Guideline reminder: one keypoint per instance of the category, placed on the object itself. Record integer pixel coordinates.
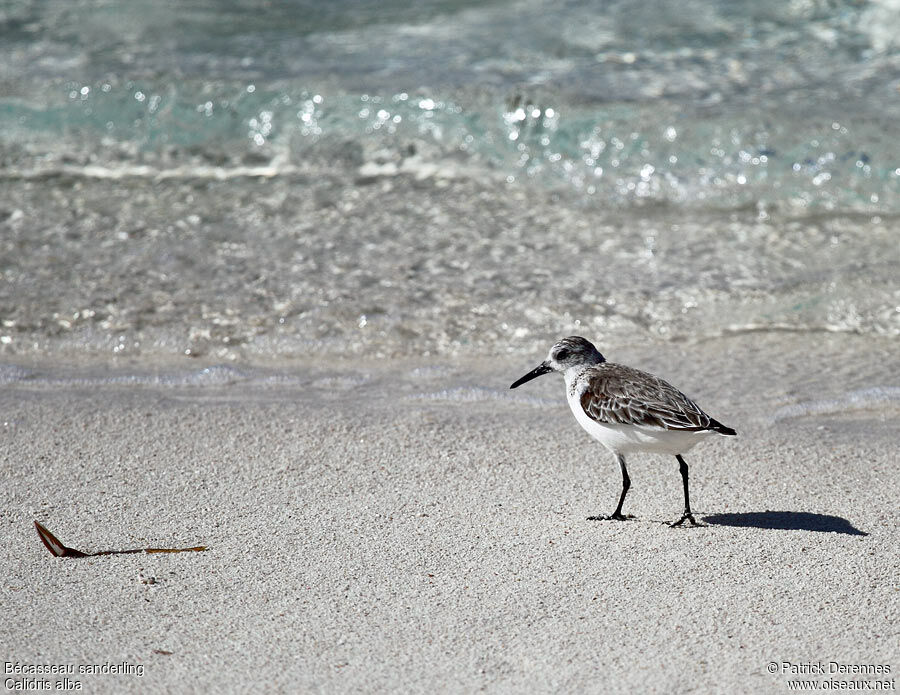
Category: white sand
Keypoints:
(374, 540)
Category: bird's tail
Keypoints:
(717, 426)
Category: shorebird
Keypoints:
(627, 411)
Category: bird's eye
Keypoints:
(562, 354)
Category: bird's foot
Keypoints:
(616, 516)
(686, 517)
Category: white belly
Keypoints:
(624, 439)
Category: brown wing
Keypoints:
(621, 395)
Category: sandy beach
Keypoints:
(418, 528)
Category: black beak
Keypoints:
(542, 368)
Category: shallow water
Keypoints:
(236, 183)
(755, 380)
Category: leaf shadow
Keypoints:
(787, 521)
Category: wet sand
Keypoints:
(415, 528)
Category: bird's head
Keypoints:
(568, 353)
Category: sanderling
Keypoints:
(627, 410)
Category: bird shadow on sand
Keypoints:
(786, 521)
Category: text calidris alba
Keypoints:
(627, 410)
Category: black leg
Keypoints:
(626, 483)
(687, 516)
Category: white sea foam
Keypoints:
(215, 375)
(14, 374)
(126, 171)
(469, 394)
(879, 397)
